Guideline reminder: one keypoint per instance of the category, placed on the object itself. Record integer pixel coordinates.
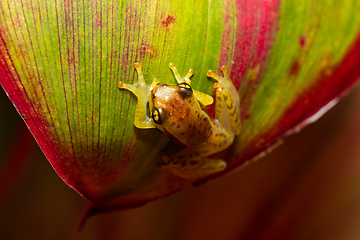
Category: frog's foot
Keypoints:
(142, 92)
(180, 79)
(140, 89)
(224, 81)
(227, 102)
(190, 168)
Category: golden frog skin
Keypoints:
(179, 111)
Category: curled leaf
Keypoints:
(61, 61)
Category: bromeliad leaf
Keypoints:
(61, 62)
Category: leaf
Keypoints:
(61, 61)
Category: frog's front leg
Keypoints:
(201, 97)
(142, 92)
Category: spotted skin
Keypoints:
(179, 111)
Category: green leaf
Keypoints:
(61, 61)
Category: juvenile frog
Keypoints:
(179, 111)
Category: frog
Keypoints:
(180, 112)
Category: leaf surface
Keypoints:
(61, 61)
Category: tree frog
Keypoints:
(179, 111)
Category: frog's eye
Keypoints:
(185, 90)
(185, 86)
(157, 116)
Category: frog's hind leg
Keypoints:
(192, 163)
(227, 108)
(142, 92)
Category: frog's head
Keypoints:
(174, 109)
